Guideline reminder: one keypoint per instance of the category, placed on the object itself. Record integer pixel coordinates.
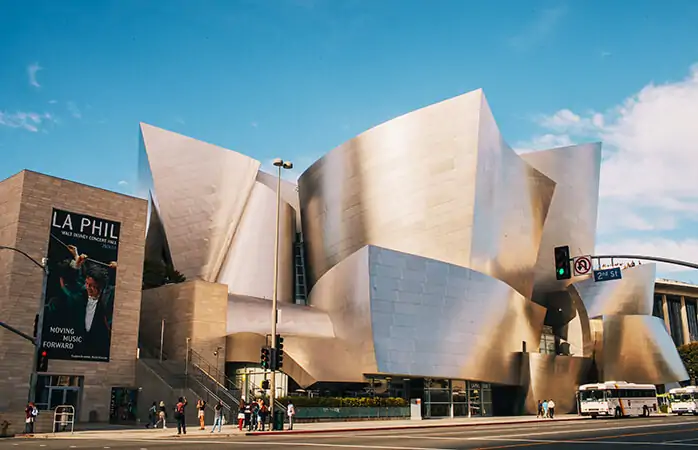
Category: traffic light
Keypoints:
(42, 363)
(265, 385)
(266, 358)
(562, 263)
(279, 362)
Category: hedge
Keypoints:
(347, 402)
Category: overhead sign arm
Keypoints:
(650, 258)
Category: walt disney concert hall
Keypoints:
(419, 254)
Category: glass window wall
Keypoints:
(443, 398)
(674, 304)
(692, 313)
(658, 306)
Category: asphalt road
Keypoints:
(636, 433)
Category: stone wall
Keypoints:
(26, 202)
(194, 309)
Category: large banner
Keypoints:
(82, 255)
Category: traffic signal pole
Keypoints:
(39, 328)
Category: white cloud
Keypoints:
(123, 183)
(544, 142)
(74, 110)
(650, 163)
(539, 29)
(32, 69)
(30, 121)
(53, 102)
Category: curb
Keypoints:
(406, 427)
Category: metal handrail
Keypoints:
(219, 387)
(215, 398)
(215, 373)
(66, 411)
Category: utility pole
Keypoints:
(281, 164)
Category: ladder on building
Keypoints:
(300, 284)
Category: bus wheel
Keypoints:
(618, 412)
(645, 412)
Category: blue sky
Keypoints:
(295, 78)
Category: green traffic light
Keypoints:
(561, 271)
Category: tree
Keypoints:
(157, 273)
(689, 356)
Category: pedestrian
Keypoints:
(241, 415)
(262, 412)
(540, 409)
(217, 416)
(201, 408)
(162, 416)
(30, 412)
(248, 416)
(152, 415)
(291, 411)
(545, 409)
(551, 408)
(180, 415)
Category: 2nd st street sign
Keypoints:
(613, 273)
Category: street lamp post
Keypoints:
(40, 321)
(281, 164)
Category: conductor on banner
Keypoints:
(90, 296)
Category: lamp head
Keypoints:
(278, 162)
(288, 165)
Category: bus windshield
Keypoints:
(591, 395)
(681, 397)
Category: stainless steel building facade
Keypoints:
(424, 247)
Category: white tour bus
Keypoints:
(617, 398)
(683, 400)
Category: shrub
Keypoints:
(346, 402)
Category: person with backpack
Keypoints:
(180, 415)
(31, 412)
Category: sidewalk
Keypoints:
(231, 431)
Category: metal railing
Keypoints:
(64, 415)
(196, 359)
(212, 399)
(207, 380)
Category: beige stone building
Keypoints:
(27, 200)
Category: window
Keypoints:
(658, 306)
(56, 390)
(675, 326)
(547, 344)
(692, 313)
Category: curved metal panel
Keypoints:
(435, 319)
(414, 184)
(631, 295)
(201, 192)
(638, 349)
(253, 315)
(289, 191)
(511, 205)
(554, 377)
(244, 347)
(573, 212)
(249, 265)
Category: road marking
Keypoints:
(682, 440)
(302, 444)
